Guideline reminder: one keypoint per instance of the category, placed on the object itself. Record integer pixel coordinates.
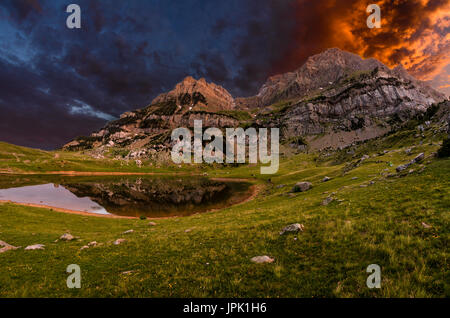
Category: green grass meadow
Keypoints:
(375, 218)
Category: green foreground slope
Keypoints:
(399, 221)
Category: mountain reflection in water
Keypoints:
(128, 196)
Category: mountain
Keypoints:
(198, 95)
(318, 72)
(150, 127)
(334, 99)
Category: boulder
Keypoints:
(6, 247)
(327, 201)
(67, 237)
(262, 259)
(418, 158)
(119, 241)
(302, 186)
(326, 179)
(403, 167)
(35, 247)
(292, 228)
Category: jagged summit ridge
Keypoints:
(323, 70)
(334, 92)
(198, 95)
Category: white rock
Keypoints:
(128, 232)
(119, 241)
(427, 226)
(262, 259)
(35, 247)
(293, 228)
(6, 247)
(67, 237)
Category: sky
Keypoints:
(58, 83)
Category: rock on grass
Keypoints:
(6, 247)
(327, 201)
(35, 247)
(262, 259)
(302, 186)
(292, 228)
(119, 241)
(67, 237)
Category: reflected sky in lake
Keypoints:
(51, 195)
(125, 196)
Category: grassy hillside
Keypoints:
(376, 217)
(16, 159)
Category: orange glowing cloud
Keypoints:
(413, 33)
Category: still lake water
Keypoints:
(125, 196)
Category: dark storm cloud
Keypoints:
(413, 33)
(57, 83)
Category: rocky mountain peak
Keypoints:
(198, 95)
(322, 71)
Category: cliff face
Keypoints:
(335, 95)
(151, 126)
(361, 106)
(198, 95)
(319, 72)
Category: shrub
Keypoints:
(444, 151)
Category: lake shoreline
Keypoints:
(253, 189)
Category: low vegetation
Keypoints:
(376, 216)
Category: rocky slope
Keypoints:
(150, 127)
(198, 95)
(335, 99)
(361, 106)
(321, 71)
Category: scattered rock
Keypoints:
(427, 226)
(67, 237)
(280, 186)
(327, 201)
(262, 259)
(188, 230)
(84, 247)
(403, 167)
(302, 186)
(354, 178)
(93, 243)
(119, 241)
(128, 232)
(292, 228)
(326, 179)
(128, 272)
(35, 247)
(152, 223)
(418, 158)
(365, 157)
(6, 247)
